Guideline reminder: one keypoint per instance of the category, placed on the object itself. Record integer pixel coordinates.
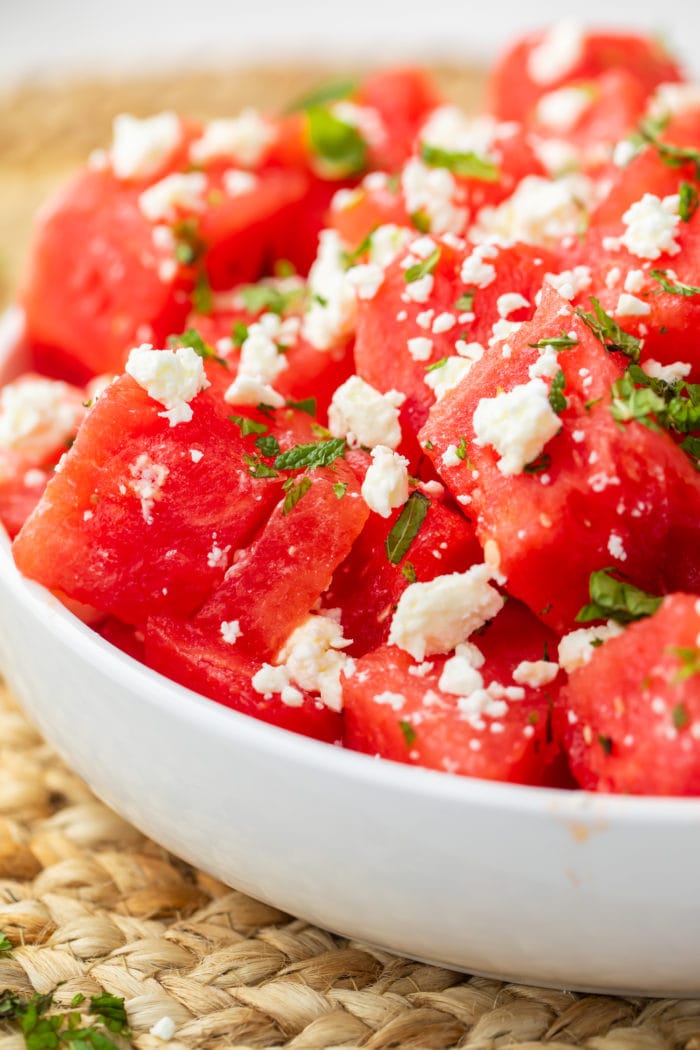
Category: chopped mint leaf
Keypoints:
(350, 258)
(466, 300)
(421, 221)
(336, 142)
(422, 269)
(690, 663)
(329, 92)
(673, 286)
(561, 342)
(189, 245)
(680, 716)
(436, 364)
(461, 449)
(308, 405)
(5, 943)
(110, 1009)
(688, 201)
(606, 743)
(608, 332)
(295, 492)
(409, 571)
(259, 298)
(613, 599)
(670, 155)
(268, 444)
(315, 454)
(258, 469)
(409, 733)
(239, 333)
(556, 392)
(339, 489)
(539, 465)
(468, 165)
(191, 337)
(248, 426)
(406, 527)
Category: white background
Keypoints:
(47, 38)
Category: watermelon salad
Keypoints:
(380, 422)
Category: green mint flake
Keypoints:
(680, 716)
(248, 426)
(258, 469)
(239, 333)
(630, 402)
(191, 337)
(406, 527)
(670, 155)
(468, 165)
(202, 295)
(608, 332)
(689, 660)
(339, 489)
(421, 221)
(561, 342)
(5, 943)
(673, 286)
(539, 465)
(77, 999)
(423, 268)
(466, 300)
(308, 405)
(657, 403)
(691, 446)
(409, 733)
(688, 201)
(268, 445)
(295, 491)
(315, 454)
(556, 392)
(606, 743)
(461, 449)
(110, 1009)
(408, 570)
(332, 91)
(336, 142)
(189, 245)
(428, 445)
(436, 364)
(268, 298)
(350, 258)
(613, 599)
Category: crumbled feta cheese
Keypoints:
(448, 376)
(217, 556)
(175, 193)
(36, 414)
(245, 138)
(396, 701)
(148, 478)
(172, 377)
(366, 119)
(230, 631)
(420, 348)
(434, 192)
(540, 211)
(630, 306)
(671, 99)
(444, 322)
(518, 424)
(546, 366)
(237, 182)
(634, 281)
(424, 319)
(450, 458)
(616, 548)
(450, 128)
(570, 282)
(313, 658)
(248, 390)
(577, 647)
(386, 482)
(650, 226)
(460, 674)
(510, 302)
(363, 416)
(331, 315)
(624, 152)
(472, 351)
(557, 53)
(261, 358)
(668, 373)
(436, 616)
(139, 147)
(419, 291)
(387, 242)
(557, 156)
(475, 270)
(560, 110)
(535, 673)
(366, 279)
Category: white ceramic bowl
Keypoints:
(570, 889)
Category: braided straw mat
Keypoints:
(91, 905)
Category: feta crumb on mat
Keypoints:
(177, 192)
(386, 482)
(244, 138)
(313, 658)
(139, 147)
(163, 1029)
(650, 226)
(172, 377)
(517, 424)
(577, 647)
(436, 616)
(363, 416)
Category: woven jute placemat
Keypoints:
(90, 905)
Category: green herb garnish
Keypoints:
(423, 268)
(268, 444)
(408, 570)
(675, 287)
(191, 337)
(339, 489)
(556, 392)
(308, 405)
(608, 332)
(406, 527)
(409, 733)
(613, 599)
(295, 491)
(248, 426)
(330, 92)
(267, 297)
(688, 201)
(315, 454)
(560, 342)
(468, 165)
(339, 144)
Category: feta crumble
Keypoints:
(363, 416)
(517, 424)
(386, 482)
(171, 377)
(139, 147)
(245, 138)
(175, 193)
(650, 226)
